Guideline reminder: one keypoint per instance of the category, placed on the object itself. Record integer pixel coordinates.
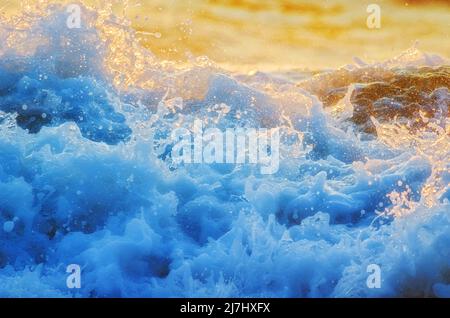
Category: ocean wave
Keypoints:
(86, 176)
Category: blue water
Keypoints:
(86, 178)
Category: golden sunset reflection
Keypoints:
(289, 34)
(284, 34)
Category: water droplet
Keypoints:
(8, 226)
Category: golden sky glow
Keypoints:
(286, 34)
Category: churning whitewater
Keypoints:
(87, 175)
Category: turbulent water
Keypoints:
(86, 175)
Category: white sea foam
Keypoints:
(93, 183)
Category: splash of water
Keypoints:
(102, 191)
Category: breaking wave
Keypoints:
(86, 176)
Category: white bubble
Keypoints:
(8, 226)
